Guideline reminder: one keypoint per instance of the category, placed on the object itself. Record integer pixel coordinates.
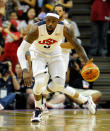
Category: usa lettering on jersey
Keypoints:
(47, 41)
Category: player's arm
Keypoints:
(23, 48)
(26, 43)
(32, 34)
(67, 45)
(69, 35)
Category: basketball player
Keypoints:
(46, 52)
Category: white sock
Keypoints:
(1, 107)
(38, 104)
(44, 100)
(82, 99)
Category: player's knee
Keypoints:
(57, 84)
(96, 96)
(37, 90)
(59, 81)
(40, 81)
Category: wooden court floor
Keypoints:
(55, 120)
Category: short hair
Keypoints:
(59, 5)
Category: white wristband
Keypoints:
(23, 48)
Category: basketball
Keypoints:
(90, 72)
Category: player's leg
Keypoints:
(53, 67)
(79, 98)
(57, 73)
(74, 95)
(95, 94)
(69, 91)
(41, 79)
(56, 70)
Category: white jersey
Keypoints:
(46, 50)
(48, 43)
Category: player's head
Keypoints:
(52, 19)
(60, 10)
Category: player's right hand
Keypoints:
(27, 76)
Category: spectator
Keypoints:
(20, 24)
(68, 4)
(32, 19)
(9, 5)
(32, 3)
(24, 97)
(31, 15)
(24, 5)
(2, 13)
(12, 41)
(8, 85)
(42, 15)
(2, 9)
(75, 26)
(20, 94)
(22, 8)
(99, 17)
(40, 6)
(108, 39)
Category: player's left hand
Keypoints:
(90, 61)
(27, 76)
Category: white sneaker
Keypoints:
(90, 105)
(1, 107)
(36, 115)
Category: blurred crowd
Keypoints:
(100, 20)
(16, 18)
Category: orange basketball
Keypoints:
(90, 72)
